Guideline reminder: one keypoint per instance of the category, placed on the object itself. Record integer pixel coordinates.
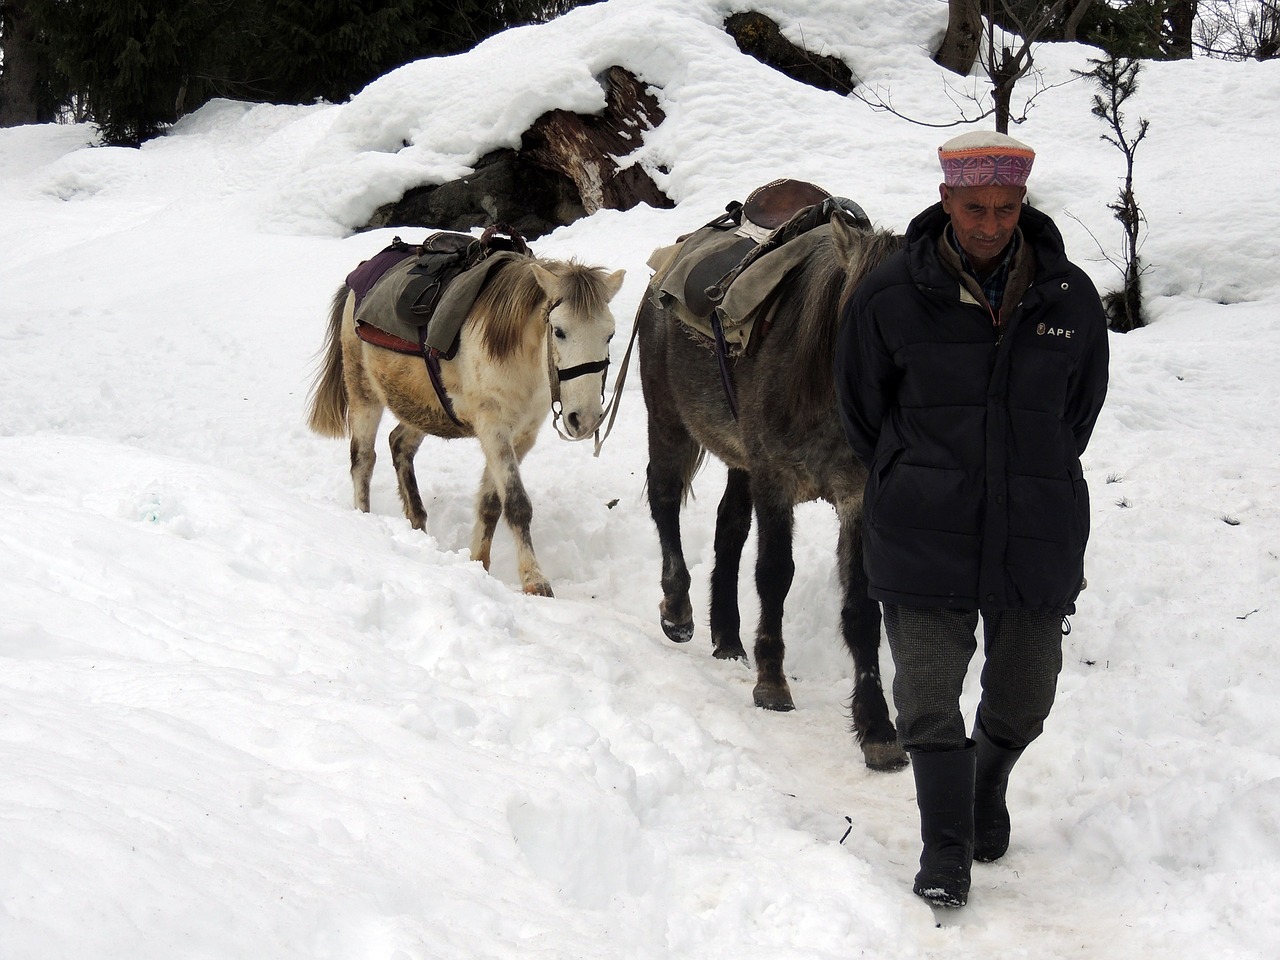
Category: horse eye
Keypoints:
(609, 338)
(559, 333)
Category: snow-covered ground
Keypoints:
(240, 720)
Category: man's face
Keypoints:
(983, 218)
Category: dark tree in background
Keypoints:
(1238, 29)
(25, 96)
(302, 51)
(136, 66)
(1146, 29)
(1001, 37)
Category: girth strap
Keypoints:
(431, 356)
(722, 360)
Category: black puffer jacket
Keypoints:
(971, 434)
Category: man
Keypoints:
(971, 369)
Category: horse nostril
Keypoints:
(573, 421)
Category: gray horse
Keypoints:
(785, 447)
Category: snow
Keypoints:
(240, 719)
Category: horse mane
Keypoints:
(582, 288)
(824, 285)
(512, 298)
(507, 307)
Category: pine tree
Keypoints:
(1117, 81)
(330, 49)
(136, 66)
(134, 63)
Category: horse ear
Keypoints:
(613, 283)
(547, 280)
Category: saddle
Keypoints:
(414, 299)
(721, 278)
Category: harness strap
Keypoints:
(722, 359)
(552, 379)
(582, 369)
(431, 356)
(611, 410)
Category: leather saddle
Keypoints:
(420, 306)
(772, 205)
(740, 229)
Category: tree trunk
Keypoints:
(959, 49)
(19, 102)
(1004, 75)
(1072, 24)
(1179, 19)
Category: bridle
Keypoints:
(555, 377)
(558, 375)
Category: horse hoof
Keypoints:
(771, 697)
(678, 632)
(729, 651)
(542, 589)
(884, 756)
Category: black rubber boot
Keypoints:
(990, 812)
(944, 793)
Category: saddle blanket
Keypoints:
(728, 271)
(746, 310)
(420, 296)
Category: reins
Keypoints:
(611, 408)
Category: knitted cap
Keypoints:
(984, 158)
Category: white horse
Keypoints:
(538, 328)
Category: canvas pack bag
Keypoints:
(720, 279)
(425, 295)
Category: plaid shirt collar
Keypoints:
(993, 286)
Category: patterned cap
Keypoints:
(985, 158)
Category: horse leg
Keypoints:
(860, 626)
(405, 442)
(775, 568)
(673, 458)
(364, 413)
(503, 465)
(733, 523)
(363, 420)
(488, 512)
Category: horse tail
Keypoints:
(329, 392)
(688, 470)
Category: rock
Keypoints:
(565, 169)
(759, 37)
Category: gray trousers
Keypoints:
(931, 650)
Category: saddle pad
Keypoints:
(361, 280)
(747, 300)
(702, 259)
(379, 307)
